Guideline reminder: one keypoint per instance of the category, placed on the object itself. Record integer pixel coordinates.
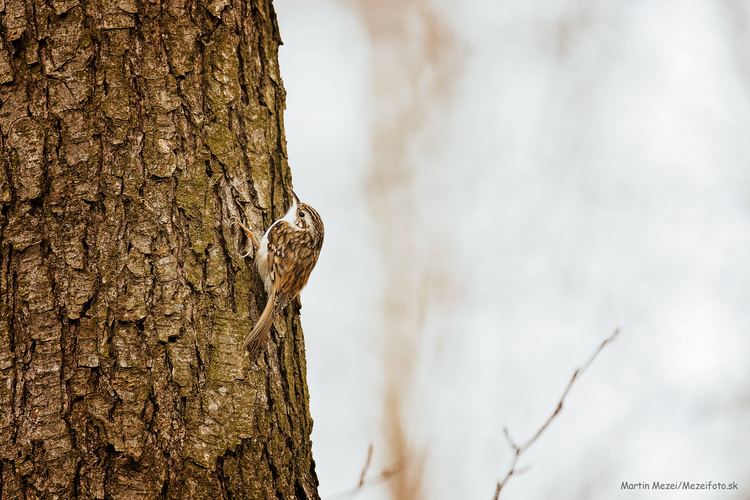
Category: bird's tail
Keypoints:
(264, 323)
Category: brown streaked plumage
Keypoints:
(286, 256)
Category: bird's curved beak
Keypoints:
(296, 199)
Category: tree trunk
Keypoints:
(131, 133)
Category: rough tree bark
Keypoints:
(131, 132)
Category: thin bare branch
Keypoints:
(366, 467)
(512, 444)
(365, 483)
(518, 450)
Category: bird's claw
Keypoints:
(253, 241)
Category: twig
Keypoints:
(367, 466)
(365, 483)
(518, 450)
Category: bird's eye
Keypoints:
(301, 214)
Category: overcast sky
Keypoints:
(586, 171)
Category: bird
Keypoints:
(286, 256)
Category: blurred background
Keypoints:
(503, 185)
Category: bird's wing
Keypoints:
(293, 258)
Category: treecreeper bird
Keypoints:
(285, 258)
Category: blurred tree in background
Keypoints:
(131, 134)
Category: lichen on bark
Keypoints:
(131, 134)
